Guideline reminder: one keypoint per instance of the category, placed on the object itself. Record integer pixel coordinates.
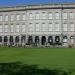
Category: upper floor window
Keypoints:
(57, 15)
(6, 17)
(1, 18)
(65, 27)
(44, 15)
(43, 27)
(17, 17)
(50, 26)
(71, 14)
(57, 27)
(65, 15)
(31, 27)
(5, 28)
(24, 16)
(11, 28)
(12, 17)
(30, 16)
(71, 27)
(50, 15)
(1, 28)
(37, 16)
(17, 27)
(37, 27)
(23, 27)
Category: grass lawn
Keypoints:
(63, 58)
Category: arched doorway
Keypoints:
(43, 41)
(23, 40)
(30, 40)
(36, 40)
(72, 40)
(0, 38)
(50, 40)
(17, 39)
(65, 40)
(5, 40)
(11, 40)
(57, 40)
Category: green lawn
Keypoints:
(63, 58)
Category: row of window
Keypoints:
(37, 27)
(56, 15)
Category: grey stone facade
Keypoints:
(38, 25)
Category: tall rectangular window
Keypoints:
(17, 17)
(12, 18)
(5, 28)
(43, 27)
(37, 27)
(57, 15)
(37, 16)
(17, 27)
(23, 27)
(71, 14)
(31, 27)
(50, 27)
(50, 15)
(1, 28)
(57, 27)
(6, 17)
(1, 18)
(65, 15)
(24, 16)
(30, 16)
(71, 28)
(44, 15)
(12, 28)
(65, 27)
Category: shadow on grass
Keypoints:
(18, 68)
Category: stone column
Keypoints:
(40, 37)
(8, 40)
(20, 40)
(14, 40)
(2, 40)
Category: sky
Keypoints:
(20, 2)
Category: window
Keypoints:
(24, 16)
(43, 27)
(17, 17)
(65, 28)
(65, 15)
(23, 27)
(57, 15)
(50, 26)
(43, 15)
(30, 16)
(57, 27)
(12, 28)
(37, 16)
(37, 27)
(71, 14)
(5, 28)
(6, 17)
(17, 28)
(71, 27)
(1, 18)
(50, 16)
(1, 28)
(31, 27)
(12, 17)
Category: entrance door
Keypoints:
(43, 40)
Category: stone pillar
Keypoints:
(20, 40)
(40, 37)
(14, 40)
(8, 40)
(2, 40)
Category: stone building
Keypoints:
(39, 25)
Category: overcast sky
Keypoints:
(19, 2)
